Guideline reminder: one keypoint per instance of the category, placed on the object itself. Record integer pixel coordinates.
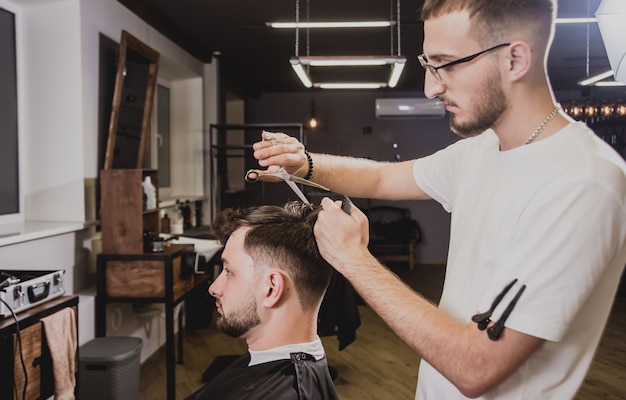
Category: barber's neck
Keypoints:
(528, 110)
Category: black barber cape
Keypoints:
(300, 378)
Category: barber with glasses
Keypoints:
(537, 203)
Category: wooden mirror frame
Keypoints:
(129, 42)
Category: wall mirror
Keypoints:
(9, 165)
(133, 97)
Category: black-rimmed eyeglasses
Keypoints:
(435, 70)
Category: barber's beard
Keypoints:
(240, 319)
(487, 108)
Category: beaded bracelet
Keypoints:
(310, 172)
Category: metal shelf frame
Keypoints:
(218, 153)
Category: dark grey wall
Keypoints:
(344, 116)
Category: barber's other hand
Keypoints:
(276, 150)
(341, 238)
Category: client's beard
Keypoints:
(240, 320)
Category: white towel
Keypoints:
(60, 331)
(207, 247)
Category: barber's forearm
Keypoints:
(462, 353)
(364, 178)
(356, 177)
(414, 319)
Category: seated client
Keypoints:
(269, 293)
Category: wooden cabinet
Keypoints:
(123, 217)
(128, 274)
(31, 348)
(156, 277)
(165, 277)
(34, 350)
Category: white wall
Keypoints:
(58, 77)
(187, 135)
(50, 110)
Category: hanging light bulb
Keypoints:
(591, 110)
(576, 111)
(313, 121)
(606, 110)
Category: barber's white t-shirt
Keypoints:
(551, 215)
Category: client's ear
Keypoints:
(276, 284)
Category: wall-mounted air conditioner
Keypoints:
(409, 108)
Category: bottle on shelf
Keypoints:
(148, 237)
(176, 223)
(165, 222)
(150, 192)
(198, 213)
(186, 211)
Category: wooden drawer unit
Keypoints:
(31, 338)
(146, 278)
(155, 276)
(34, 350)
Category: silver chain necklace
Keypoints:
(543, 125)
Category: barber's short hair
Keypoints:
(495, 20)
(282, 237)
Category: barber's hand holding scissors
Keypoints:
(342, 238)
(342, 230)
(280, 150)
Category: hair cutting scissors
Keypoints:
(292, 181)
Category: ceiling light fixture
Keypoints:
(611, 15)
(302, 74)
(396, 72)
(609, 83)
(397, 66)
(326, 25)
(339, 61)
(575, 20)
(397, 62)
(605, 15)
(596, 78)
(351, 85)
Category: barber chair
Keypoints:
(393, 234)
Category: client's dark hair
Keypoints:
(282, 237)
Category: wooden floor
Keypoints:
(378, 366)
